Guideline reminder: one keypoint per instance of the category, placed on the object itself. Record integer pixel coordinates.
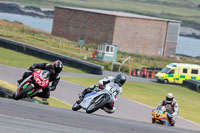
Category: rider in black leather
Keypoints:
(54, 70)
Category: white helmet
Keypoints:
(169, 97)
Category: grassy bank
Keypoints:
(21, 33)
(184, 10)
(16, 59)
(153, 93)
(52, 101)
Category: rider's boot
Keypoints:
(109, 108)
(85, 91)
(81, 97)
(19, 81)
(172, 123)
(25, 75)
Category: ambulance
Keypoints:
(178, 72)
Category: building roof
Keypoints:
(118, 14)
(184, 65)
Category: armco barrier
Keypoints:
(44, 54)
(192, 84)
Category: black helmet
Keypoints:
(57, 65)
(120, 79)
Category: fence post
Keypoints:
(59, 43)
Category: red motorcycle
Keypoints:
(32, 84)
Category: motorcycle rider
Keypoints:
(171, 106)
(120, 79)
(54, 70)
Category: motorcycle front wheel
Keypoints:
(23, 93)
(76, 107)
(97, 103)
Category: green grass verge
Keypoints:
(17, 59)
(21, 33)
(153, 93)
(57, 103)
(52, 101)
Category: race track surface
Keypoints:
(126, 109)
(26, 117)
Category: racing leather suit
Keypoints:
(54, 78)
(109, 107)
(172, 108)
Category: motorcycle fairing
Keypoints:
(21, 86)
(90, 94)
(89, 98)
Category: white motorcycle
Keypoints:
(98, 98)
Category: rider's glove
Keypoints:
(92, 87)
(169, 115)
(81, 96)
(101, 86)
(31, 68)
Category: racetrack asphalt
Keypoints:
(126, 109)
(26, 117)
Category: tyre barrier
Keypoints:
(51, 56)
(192, 84)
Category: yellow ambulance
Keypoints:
(178, 72)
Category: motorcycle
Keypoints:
(32, 84)
(160, 116)
(98, 99)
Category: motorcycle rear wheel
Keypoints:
(95, 105)
(23, 92)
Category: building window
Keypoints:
(107, 48)
(111, 49)
(194, 71)
(184, 70)
(171, 72)
(159, 51)
(81, 41)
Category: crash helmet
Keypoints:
(57, 66)
(120, 79)
(169, 97)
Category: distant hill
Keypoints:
(187, 11)
(25, 10)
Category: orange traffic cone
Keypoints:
(147, 74)
(134, 72)
(142, 73)
(152, 75)
(145, 71)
